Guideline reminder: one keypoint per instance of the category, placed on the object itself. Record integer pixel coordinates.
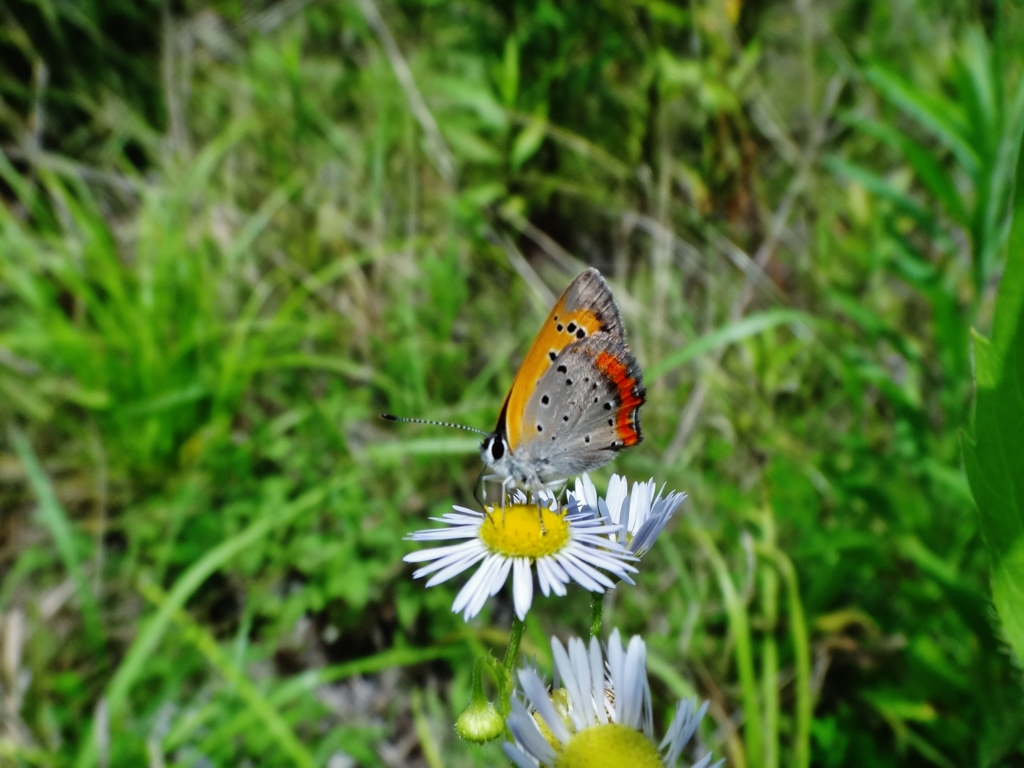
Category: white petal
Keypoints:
(551, 575)
(453, 568)
(639, 505)
(434, 553)
(616, 669)
(518, 757)
(576, 573)
(597, 681)
(479, 587)
(495, 582)
(583, 709)
(535, 690)
(627, 689)
(594, 560)
(444, 534)
(526, 731)
(589, 493)
(522, 586)
(680, 731)
(617, 491)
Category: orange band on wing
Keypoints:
(562, 328)
(630, 396)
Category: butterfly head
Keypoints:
(495, 453)
(502, 462)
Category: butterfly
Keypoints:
(575, 401)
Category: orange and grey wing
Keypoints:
(585, 408)
(585, 308)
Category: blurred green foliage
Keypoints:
(993, 456)
(232, 233)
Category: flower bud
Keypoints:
(480, 722)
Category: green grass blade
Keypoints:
(938, 115)
(155, 628)
(258, 705)
(993, 219)
(995, 455)
(752, 325)
(976, 88)
(905, 203)
(739, 624)
(769, 592)
(307, 682)
(929, 169)
(56, 521)
(804, 707)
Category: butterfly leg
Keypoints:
(480, 491)
(508, 490)
(560, 484)
(546, 491)
(540, 513)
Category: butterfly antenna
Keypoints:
(392, 417)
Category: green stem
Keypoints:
(515, 638)
(506, 682)
(770, 665)
(596, 610)
(802, 656)
(739, 625)
(477, 695)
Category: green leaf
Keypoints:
(995, 192)
(883, 188)
(469, 146)
(510, 73)
(55, 520)
(995, 456)
(528, 141)
(939, 115)
(268, 716)
(929, 170)
(152, 631)
(976, 89)
(729, 334)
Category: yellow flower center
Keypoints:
(609, 746)
(525, 530)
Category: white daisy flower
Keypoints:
(600, 716)
(563, 545)
(641, 514)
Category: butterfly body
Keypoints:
(575, 401)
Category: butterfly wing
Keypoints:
(585, 308)
(585, 408)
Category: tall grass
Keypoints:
(338, 209)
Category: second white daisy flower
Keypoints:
(641, 515)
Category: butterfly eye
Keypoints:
(497, 448)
